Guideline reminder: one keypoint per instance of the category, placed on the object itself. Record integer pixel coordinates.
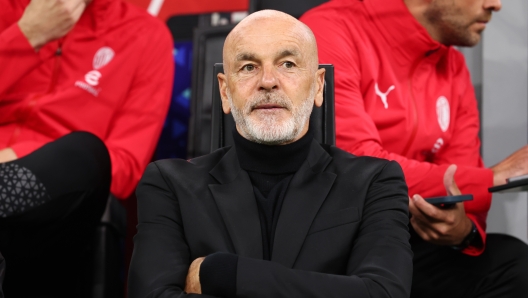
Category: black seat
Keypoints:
(321, 120)
(208, 46)
(295, 8)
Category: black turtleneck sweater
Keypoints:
(270, 169)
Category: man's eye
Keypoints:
(288, 64)
(248, 67)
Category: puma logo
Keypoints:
(382, 95)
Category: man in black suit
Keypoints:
(277, 214)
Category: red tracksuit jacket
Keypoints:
(111, 75)
(401, 95)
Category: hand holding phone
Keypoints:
(444, 225)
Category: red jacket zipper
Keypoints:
(414, 111)
(56, 69)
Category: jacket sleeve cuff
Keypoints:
(476, 181)
(476, 250)
(19, 44)
(218, 274)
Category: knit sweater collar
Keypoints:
(272, 159)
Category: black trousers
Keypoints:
(501, 271)
(47, 248)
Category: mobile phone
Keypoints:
(517, 178)
(515, 184)
(448, 201)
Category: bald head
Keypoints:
(271, 25)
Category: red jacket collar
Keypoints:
(97, 15)
(402, 30)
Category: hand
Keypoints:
(514, 165)
(441, 226)
(47, 20)
(7, 154)
(192, 282)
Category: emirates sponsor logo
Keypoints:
(102, 57)
(87, 88)
(92, 77)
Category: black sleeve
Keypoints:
(218, 274)
(161, 259)
(379, 265)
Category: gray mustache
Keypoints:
(269, 98)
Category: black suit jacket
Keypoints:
(342, 230)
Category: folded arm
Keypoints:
(379, 265)
(161, 255)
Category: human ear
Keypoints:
(222, 84)
(320, 82)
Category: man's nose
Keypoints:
(268, 79)
(494, 5)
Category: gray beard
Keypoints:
(266, 129)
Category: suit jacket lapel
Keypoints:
(306, 193)
(236, 201)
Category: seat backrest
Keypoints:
(295, 8)
(322, 121)
(207, 49)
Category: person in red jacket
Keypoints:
(84, 89)
(402, 92)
